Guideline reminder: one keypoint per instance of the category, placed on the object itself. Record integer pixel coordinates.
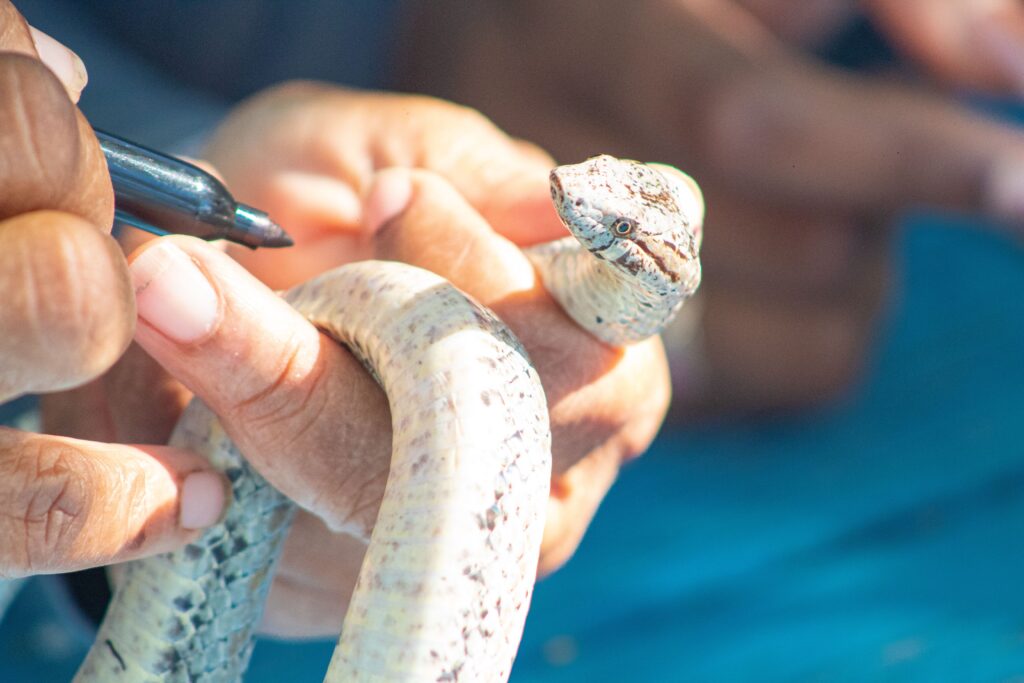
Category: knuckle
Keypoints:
(40, 150)
(46, 514)
(285, 397)
(70, 307)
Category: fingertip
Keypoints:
(520, 208)
(65, 64)
(172, 293)
(390, 193)
(69, 504)
(203, 498)
(527, 222)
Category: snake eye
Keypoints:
(622, 227)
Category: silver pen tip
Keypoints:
(257, 230)
(281, 239)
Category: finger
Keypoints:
(827, 142)
(69, 504)
(346, 136)
(69, 311)
(757, 356)
(999, 38)
(17, 36)
(975, 45)
(314, 581)
(136, 401)
(65, 64)
(311, 203)
(505, 180)
(49, 157)
(745, 112)
(576, 495)
(592, 389)
(269, 376)
(791, 253)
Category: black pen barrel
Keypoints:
(159, 193)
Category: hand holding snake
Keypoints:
(444, 587)
(495, 272)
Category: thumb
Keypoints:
(17, 36)
(67, 504)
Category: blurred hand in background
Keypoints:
(804, 166)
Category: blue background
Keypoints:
(880, 539)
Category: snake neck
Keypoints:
(614, 307)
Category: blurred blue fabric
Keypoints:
(877, 540)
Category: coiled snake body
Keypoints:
(443, 591)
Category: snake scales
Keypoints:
(444, 589)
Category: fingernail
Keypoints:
(63, 62)
(389, 196)
(172, 294)
(202, 500)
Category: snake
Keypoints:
(444, 588)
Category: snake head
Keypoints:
(644, 222)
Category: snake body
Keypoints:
(443, 591)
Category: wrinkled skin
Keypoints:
(68, 314)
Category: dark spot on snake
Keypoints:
(239, 545)
(219, 553)
(233, 474)
(419, 463)
(168, 662)
(183, 603)
(193, 551)
(117, 655)
(453, 673)
(599, 320)
(176, 630)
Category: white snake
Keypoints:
(444, 589)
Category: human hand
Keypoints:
(289, 397)
(68, 313)
(804, 167)
(272, 378)
(307, 153)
